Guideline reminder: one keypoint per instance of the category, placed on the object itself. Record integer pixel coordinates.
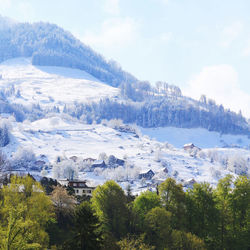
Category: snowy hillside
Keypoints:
(56, 144)
(65, 137)
(50, 86)
(199, 136)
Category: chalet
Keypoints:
(120, 162)
(190, 146)
(80, 187)
(40, 163)
(89, 160)
(115, 162)
(148, 175)
(189, 183)
(165, 170)
(99, 164)
(73, 158)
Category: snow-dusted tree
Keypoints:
(216, 174)
(213, 155)
(103, 157)
(203, 99)
(70, 171)
(65, 169)
(238, 165)
(202, 154)
(4, 135)
(23, 157)
(4, 164)
(115, 123)
(44, 172)
(158, 155)
(168, 146)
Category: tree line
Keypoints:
(162, 112)
(46, 215)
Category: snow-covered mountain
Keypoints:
(37, 143)
(76, 120)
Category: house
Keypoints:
(89, 160)
(99, 164)
(40, 163)
(189, 183)
(73, 158)
(148, 175)
(115, 162)
(190, 146)
(80, 187)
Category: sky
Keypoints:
(202, 46)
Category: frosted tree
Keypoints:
(238, 165)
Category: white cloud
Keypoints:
(112, 6)
(26, 10)
(165, 1)
(115, 32)
(246, 51)
(5, 4)
(221, 83)
(166, 37)
(231, 33)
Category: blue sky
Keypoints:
(203, 46)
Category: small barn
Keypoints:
(73, 158)
(190, 146)
(99, 164)
(148, 175)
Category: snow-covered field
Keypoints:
(199, 136)
(65, 137)
(50, 86)
(60, 135)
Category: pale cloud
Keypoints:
(166, 37)
(165, 1)
(5, 4)
(231, 33)
(27, 10)
(115, 32)
(221, 83)
(112, 6)
(246, 50)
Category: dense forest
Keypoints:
(46, 215)
(162, 112)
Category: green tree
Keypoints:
(240, 205)
(133, 243)
(173, 198)
(224, 197)
(25, 212)
(86, 235)
(187, 241)
(110, 205)
(202, 212)
(143, 204)
(158, 227)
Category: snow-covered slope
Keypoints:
(66, 137)
(58, 134)
(200, 137)
(50, 86)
